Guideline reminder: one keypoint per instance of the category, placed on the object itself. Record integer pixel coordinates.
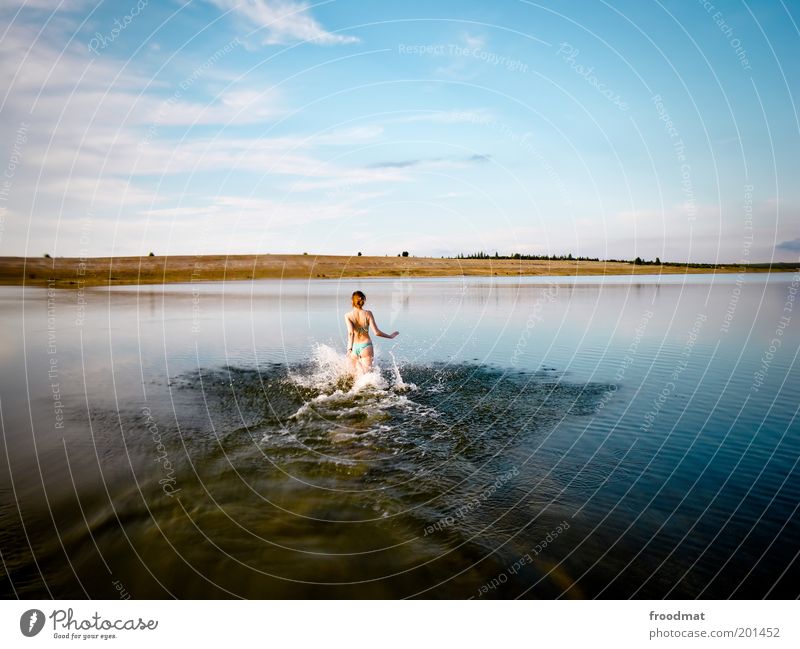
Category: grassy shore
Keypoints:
(71, 272)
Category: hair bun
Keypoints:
(358, 299)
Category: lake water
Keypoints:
(540, 438)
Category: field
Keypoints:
(66, 272)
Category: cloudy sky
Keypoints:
(609, 129)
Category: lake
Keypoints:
(540, 437)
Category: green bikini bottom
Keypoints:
(360, 347)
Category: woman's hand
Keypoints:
(394, 335)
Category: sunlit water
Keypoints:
(521, 438)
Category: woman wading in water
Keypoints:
(359, 345)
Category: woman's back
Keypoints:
(363, 330)
(359, 345)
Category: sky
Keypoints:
(609, 129)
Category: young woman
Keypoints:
(359, 345)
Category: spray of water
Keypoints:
(337, 395)
(399, 383)
(330, 371)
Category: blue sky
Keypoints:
(605, 129)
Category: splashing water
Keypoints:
(331, 370)
(399, 384)
(289, 452)
(340, 402)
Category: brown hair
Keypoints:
(358, 299)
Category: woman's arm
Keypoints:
(350, 334)
(377, 331)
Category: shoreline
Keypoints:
(75, 272)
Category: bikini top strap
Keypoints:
(358, 327)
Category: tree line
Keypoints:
(638, 261)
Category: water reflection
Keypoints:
(210, 445)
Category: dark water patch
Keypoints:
(298, 472)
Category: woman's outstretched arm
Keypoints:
(377, 331)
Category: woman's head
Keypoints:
(358, 299)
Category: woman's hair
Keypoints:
(358, 299)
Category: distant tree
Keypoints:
(496, 255)
(359, 254)
(637, 261)
(47, 255)
(569, 256)
(152, 254)
(658, 260)
(405, 253)
(305, 253)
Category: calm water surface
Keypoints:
(548, 437)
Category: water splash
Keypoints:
(399, 383)
(328, 370)
(331, 371)
(334, 398)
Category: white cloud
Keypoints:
(342, 180)
(469, 116)
(474, 42)
(232, 107)
(463, 66)
(283, 21)
(47, 5)
(235, 224)
(89, 149)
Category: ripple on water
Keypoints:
(308, 459)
